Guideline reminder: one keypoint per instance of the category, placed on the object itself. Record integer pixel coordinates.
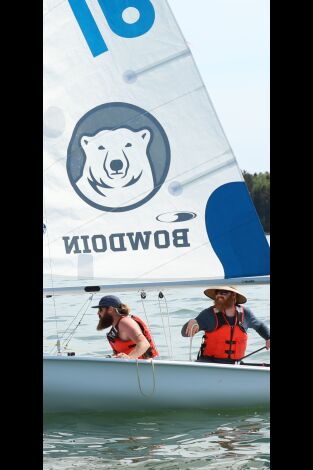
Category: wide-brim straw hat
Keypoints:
(240, 299)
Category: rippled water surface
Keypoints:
(172, 440)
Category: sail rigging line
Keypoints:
(143, 297)
(139, 381)
(51, 277)
(71, 334)
(168, 345)
(162, 295)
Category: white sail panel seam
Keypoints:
(53, 8)
(168, 180)
(151, 110)
(170, 261)
(206, 92)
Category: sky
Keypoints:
(229, 40)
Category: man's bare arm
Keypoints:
(130, 330)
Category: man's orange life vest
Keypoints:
(120, 346)
(226, 341)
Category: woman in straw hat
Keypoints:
(225, 326)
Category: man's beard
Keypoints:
(104, 322)
(224, 304)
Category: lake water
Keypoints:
(168, 440)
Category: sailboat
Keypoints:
(142, 192)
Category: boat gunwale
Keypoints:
(157, 362)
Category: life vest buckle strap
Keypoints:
(229, 351)
(230, 342)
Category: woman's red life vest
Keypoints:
(120, 346)
(226, 341)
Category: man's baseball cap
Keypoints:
(109, 301)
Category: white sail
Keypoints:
(140, 182)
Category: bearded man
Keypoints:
(129, 336)
(225, 326)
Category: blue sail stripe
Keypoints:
(235, 232)
(88, 27)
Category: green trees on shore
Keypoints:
(259, 189)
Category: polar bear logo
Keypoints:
(117, 170)
(118, 157)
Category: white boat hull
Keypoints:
(88, 384)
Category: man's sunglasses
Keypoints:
(222, 292)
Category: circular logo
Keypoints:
(118, 157)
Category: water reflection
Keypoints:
(172, 440)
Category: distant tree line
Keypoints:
(259, 189)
